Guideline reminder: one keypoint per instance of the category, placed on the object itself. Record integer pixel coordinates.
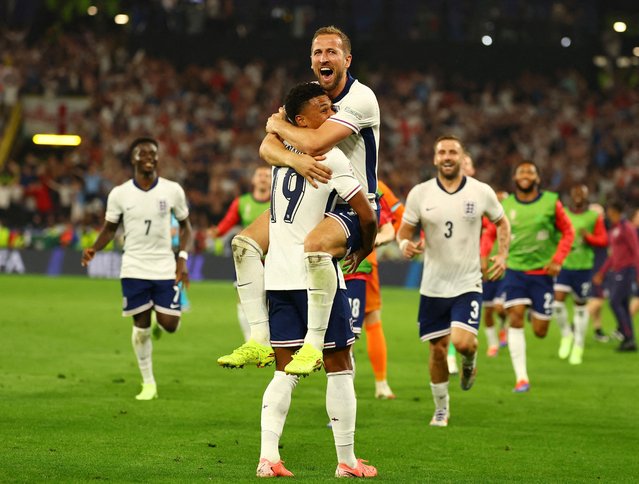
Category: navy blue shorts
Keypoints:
(576, 281)
(288, 316)
(348, 219)
(141, 294)
(493, 292)
(356, 292)
(531, 290)
(438, 314)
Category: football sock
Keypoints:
(322, 286)
(244, 325)
(247, 257)
(491, 336)
(275, 404)
(376, 346)
(341, 406)
(581, 325)
(517, 348)
(143, 349)
(440, 395)
(561, 316)
(451, 350)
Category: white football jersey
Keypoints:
(452, 226)
(146, 219)
(296, 209)
(357, 109)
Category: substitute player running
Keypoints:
(450, 208)
(576, 274)
(541, 239)
(150, 274)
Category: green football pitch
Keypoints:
(68, 377)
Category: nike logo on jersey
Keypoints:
(245, 284)
(174, 306)
(428, 209)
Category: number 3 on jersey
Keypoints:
(293, 187)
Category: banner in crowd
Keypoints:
(59, 261)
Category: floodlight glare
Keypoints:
(600, 61)
(566, 42)
(121, 19)
(619, 26)
(92, 10)
(57, 139)
(487, 40)
(635, 51)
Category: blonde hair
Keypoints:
(451, 137)
(332, 30)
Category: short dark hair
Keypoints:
(332, 30)
(527, 162)
(298, 96)
(139, 141)
(450, 137)
(616, 204)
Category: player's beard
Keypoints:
(533, 186)
(452, 175)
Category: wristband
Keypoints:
(402, 244)
(183, 255)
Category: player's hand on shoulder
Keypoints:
(311, 168)
(273, 121)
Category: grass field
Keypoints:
(67, 412)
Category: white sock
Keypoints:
(581, 325)
(353, 360)
(561, 316)
(517, 348)
(247, 256)
(322, 286)
(341, 406)
(143, 349)
(440, 395)
(244, 325)
(275, 404)
(491, 336)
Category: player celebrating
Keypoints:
(355, 130)
(576, 273)
(449, 208)
(150, 274)
(296, 209)
(538, 220)
(243, 211)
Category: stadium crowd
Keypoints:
(210, 121)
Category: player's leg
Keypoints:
(541, 307)
(620, 293)
(490, 329)
(322, 246)
(341, 402)
(563, 287)
(434, 327)
(581, 290)
(465, 317)
(138, 303)
(516, 301)
(249, 247)
(375, 338)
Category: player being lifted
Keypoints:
(355, 130)
(296, 209)
(449, 208)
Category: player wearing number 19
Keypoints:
(150, 274)
(450, 208)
